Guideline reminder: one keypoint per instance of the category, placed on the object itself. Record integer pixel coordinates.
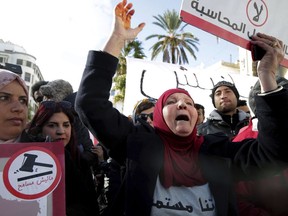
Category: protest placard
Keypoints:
(236, 21)
(33, 180)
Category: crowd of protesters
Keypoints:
(167, 158)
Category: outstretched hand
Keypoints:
(123, 15)
(124, 12)
(122, 31)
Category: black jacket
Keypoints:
(82, 134)
(216, 124)
(222, 162)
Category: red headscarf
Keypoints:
(180, 153)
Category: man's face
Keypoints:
(225, 100)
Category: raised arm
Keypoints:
(92, 102)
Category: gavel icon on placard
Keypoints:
(29, 162)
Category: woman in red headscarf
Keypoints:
(169, 169)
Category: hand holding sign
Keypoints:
(273, 56)
(238, 21)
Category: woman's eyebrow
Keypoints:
(5, 93)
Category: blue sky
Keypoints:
(60, 33)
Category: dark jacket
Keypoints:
(81, 196)
(82, 135)
(215, 124)
(222, 162)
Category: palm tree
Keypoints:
(133, 49)
(175, 42)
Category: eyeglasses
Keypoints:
(52, 104)
(145, 116)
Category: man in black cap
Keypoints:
(226, 118)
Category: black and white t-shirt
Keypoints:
(183, 201)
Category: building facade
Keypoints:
(12, 54)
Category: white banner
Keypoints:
(237, 20)
(150, 79)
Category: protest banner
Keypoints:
(236, 21)
(150, 79)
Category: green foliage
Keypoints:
(174, 44)
(133, 49)
(30, 112)
(120, 84)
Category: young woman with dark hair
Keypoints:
(54, 121)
